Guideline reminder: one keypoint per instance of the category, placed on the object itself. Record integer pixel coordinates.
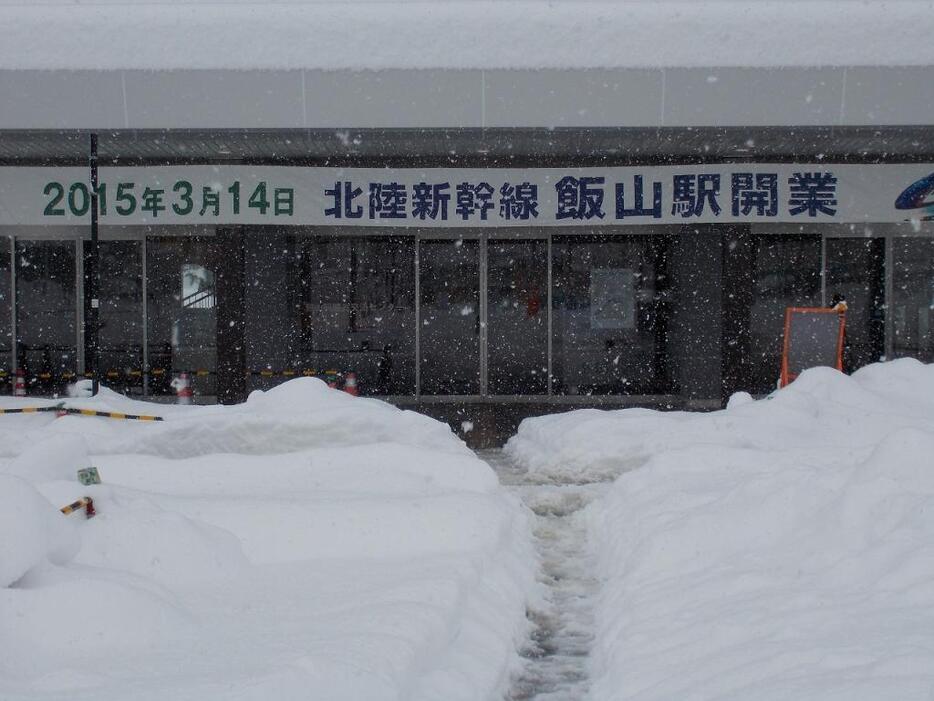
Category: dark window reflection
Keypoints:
(786, 274)
(450, 317)
(121, 315)
(46, 323)
(517, 310)
(913, 303)
(610, 319)
(856, 269)
(357, 310)
(182, 312)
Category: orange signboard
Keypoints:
(813, 338)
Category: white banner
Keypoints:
(471, 197)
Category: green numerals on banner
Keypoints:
(125, 199)
(78, 200)
(184, 199)
(185, 203)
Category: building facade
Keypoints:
(480, 269)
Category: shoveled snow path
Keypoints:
(556, 658)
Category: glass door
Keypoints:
(449, 316)
(610, 315)
(47, 314)
(182, 312)
(6, 314)
(913, 298)
(357, 302)
(786, 272)
(121, 315)
(517, 317)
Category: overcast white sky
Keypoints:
(241, 34)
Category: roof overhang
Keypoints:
(857, 96)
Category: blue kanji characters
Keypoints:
(518, 202)
(343, 195)
(473, 198)
(754, 191)
(579, 198)
(812, 193)
(387, 201)
(638, 208)
(430, 201)
(691, 193)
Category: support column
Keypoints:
(736, 307)
(695, 334)
(92, 281)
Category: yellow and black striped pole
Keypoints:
(110, 414)
(72, 411)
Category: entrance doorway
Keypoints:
(436, 316)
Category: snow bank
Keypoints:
(31, 530)
(304, 544)
(298, 415)
(185, 34)
(782, 548)
(818, 411)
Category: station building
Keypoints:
(478, 244)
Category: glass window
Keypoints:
(121, 315)
(517, 317)
(198, 288)
(610, 317)
(786, 274)
(856, 269)
(182, 312)
(6, 315)
(358, 310)
(450, 316)
(913, 303)
(46, 322)
(271, 301)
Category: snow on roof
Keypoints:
(348, 34)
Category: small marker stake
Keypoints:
(86, 503)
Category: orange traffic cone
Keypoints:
(19, 387)
(182, 385)
(350, 384)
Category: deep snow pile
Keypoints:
(779, 549)
(302, 545)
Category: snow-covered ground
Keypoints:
(779, 549)
(304, 545)
(311, 545)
